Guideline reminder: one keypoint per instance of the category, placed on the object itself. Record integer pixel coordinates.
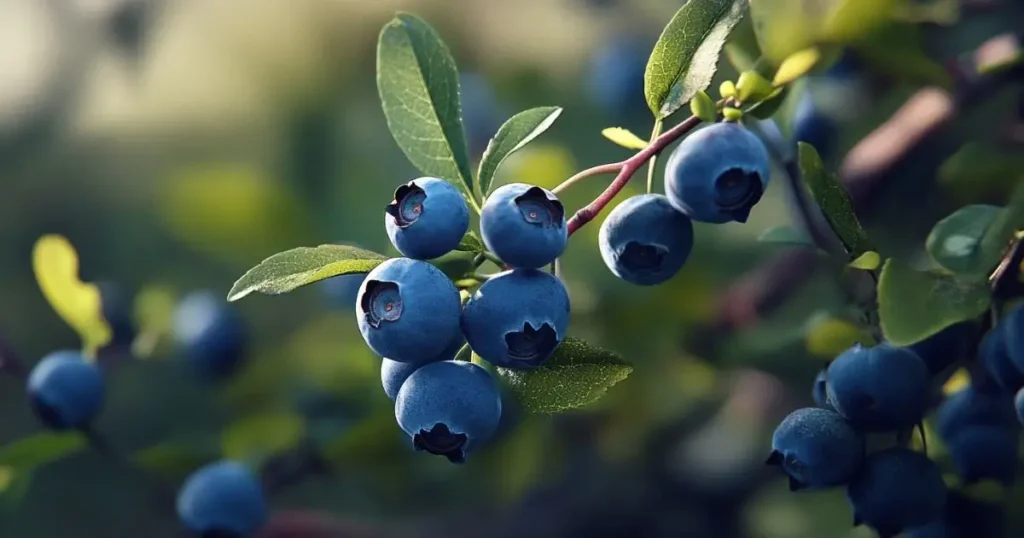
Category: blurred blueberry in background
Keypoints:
(615, 80)
(482, 114)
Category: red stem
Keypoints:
(629, 167)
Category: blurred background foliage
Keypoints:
(176, 143)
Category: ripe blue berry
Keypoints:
(408, 310)
(343, 290)
(1012, 329)
(879, 389)
(820, 390)
(517, 318)
(816, 448)
(972, 407)
(645, 241)
(940, 350)
(994, 356)
(984, 453)
(449, 408)
(222, 499)
(1018, 403)
(812, 126)
(427, 218)
(524, 225)
(209, 334)
(717, 174)
(65, 390)
(615, 80)
(965, 517)
(480, 111)
(394, 373)
(897, 489)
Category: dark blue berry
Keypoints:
(65, 390)
(816, 448)
(427, 218)
(940, 350)
(1012, 329)
(981, 452)
(973, 407)
(209, 334)
(222, 500)
(717, 174)
(965, 518)
(524, 225)
(343, 290)
(994, 356)
(615, 80)
(897, 489)
(879, 389)
(480, 111)
(820, 390)
(812, 126)
(394, 373)
(645, 241)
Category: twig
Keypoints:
(610, 168)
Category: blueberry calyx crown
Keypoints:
(407, 205)
(382, 302)
(441, 441)
(787, 462)
(536, 208)
(643, 256)
(737, 192)
(530, 345)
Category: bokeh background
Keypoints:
(177, 143)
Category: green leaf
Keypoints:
(14, 484)
(869, 261)
(418, 85)
(285, 271)
(39, 449)
(900, 51)
(828, 336)
(260, 436)
(516, 133)
(797, 65)
(997, 235)
(833, 200)
(173, 461)
(786, 235)
(767, 108)
(751, 87)
(914, 305)
(703, 107)
(470, 243)
(685, 57)
(624, 137)
(955, 241)
(727, 89)
(732, 114)
(577, 375)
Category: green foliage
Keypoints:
(257, 437)
(686, 55)
(418, 85)
(39, 449)
(285, 271)
(624, 137)
(770, 105)
(868, 261)
(914, 305)
(703, 107)
(577, 375)
(955, 241)
(471, 243)
(516, 133)
(834, 201)
(999, 232)
(797, 65)
(173, 461)
(751, 87)
(786, 235)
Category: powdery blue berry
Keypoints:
(717, 174)
(65, 390)
(394, 373)
(816, 448)
(994, 356)
(645, 241)
(517, 318)
(222, 499)
(972, 407)
(427, 218)
(449, 408)
(209, 334)
(408, 310)
(897, 489)
(524, 225)
(879, 389)
(982, 452)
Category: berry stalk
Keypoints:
(628, 168)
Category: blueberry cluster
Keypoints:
(888, 390)
(715, 175)
(412, 315)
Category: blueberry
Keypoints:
(408, 310)
(517, 318)
(940, 350)
(984, 452)
(222, 500)
(427, 218)
(524, 225)
(65, 390)
(994, 356)
(965, 518)
(394, 373)
(820, 390)
(210, 334)
(717, 174)
(897, 489)
(615, 80)
(480, 111)
(449, 408)
(879, 389)
(816, 448)
(812, 126)
(343, 290)
(117, 310)
(972, 407)
(645, 241)
(1018, 403)
(1012, 329)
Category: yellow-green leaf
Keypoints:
(732, 114)
(751, 87)
(37, 450)
(79, 304)
(869, 261)
(703, 107)
(797, 65)
(828, 336)
(285, 271)
(260, 436)
(957, 382)
(727, 89)
(624, 137)
(153, 313)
